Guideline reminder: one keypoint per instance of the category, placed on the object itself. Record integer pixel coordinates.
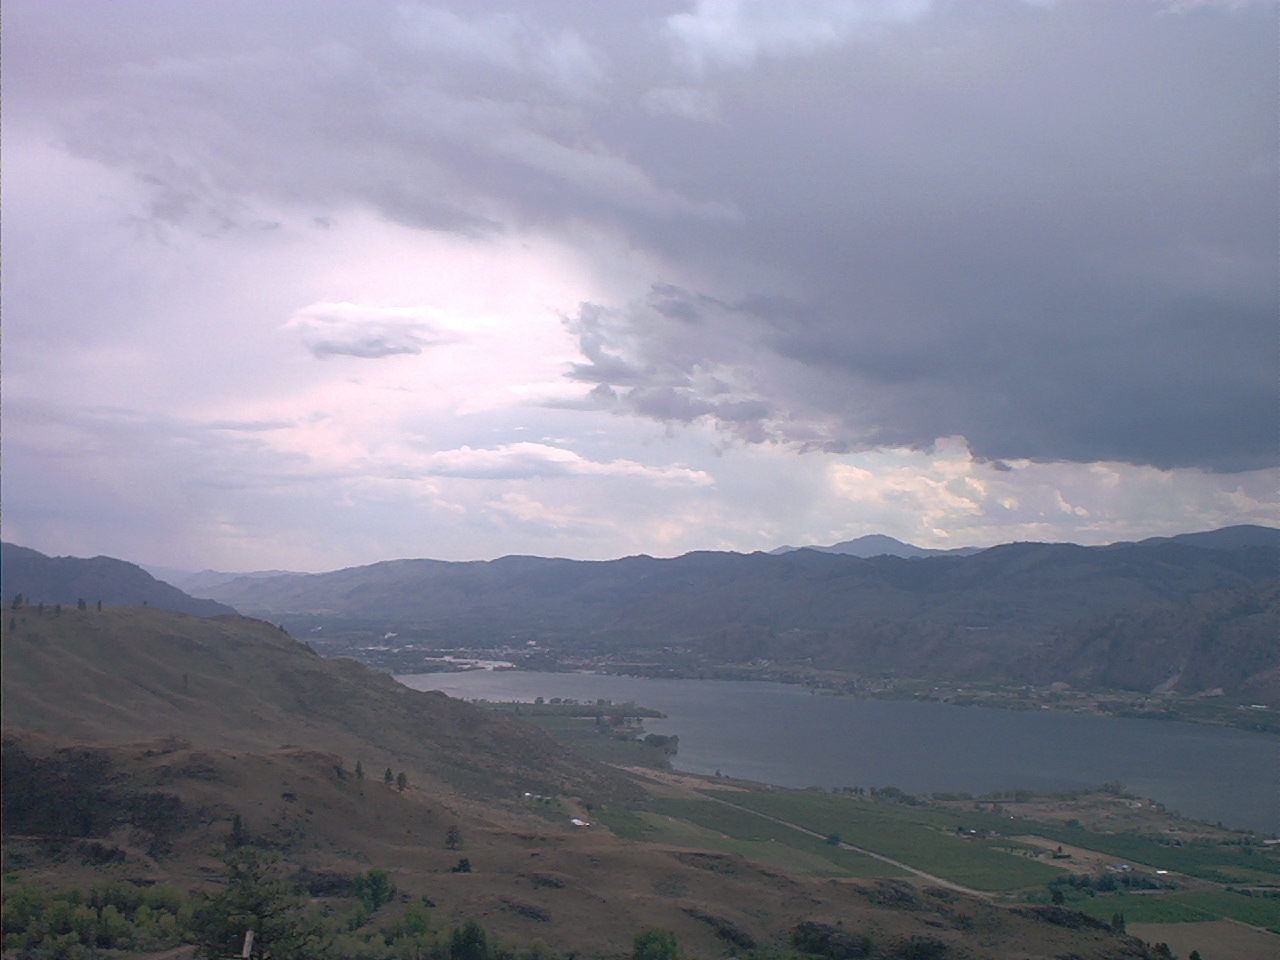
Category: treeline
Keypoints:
(559, 707)
(372, 922)
(264, 906)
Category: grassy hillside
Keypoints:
(121, 675)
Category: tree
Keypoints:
(256, 898)
(416, 921)
(359, 770)
(81, 605)
(374, 888)
(17, 601)
(655, 944)
(388, 777)
(401, 781)
(453, 837)
(469, 942)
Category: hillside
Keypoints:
(139, 744)
(231, 683)
(1031, 612)
(114, 583)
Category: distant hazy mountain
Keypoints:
(117, 583)
(196, 582)
(1190, 613)
(1227, 538)
(878, 545)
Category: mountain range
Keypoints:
(1191, 613)
(879, 545)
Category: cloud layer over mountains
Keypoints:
(635, 270)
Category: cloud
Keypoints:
(526, 460)
(561, 58)
(828, 269)
(682, 357)
(735, 33)
(688, 103)
(365, 330)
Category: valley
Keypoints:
(144, 747)
(218, 759)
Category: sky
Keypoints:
(308, 284)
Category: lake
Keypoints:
(783, 734)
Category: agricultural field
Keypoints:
(921, 838)
(810, 832)
(1185, 906)
(748, 833)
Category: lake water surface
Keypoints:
(782, 734)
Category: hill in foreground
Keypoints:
(139, 743)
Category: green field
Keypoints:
(743, 827)
(1187, 906)
(1141, 908)
(1221, 863)
(1231, 863)
(582, 735)
(921, 838)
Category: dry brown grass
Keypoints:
(1216, 940)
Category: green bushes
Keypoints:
(72, 923)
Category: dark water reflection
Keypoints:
(782, 734)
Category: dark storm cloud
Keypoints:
(1049, 229)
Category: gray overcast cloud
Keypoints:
(558, 277)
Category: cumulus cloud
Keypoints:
(683, 357)
(365, 330)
